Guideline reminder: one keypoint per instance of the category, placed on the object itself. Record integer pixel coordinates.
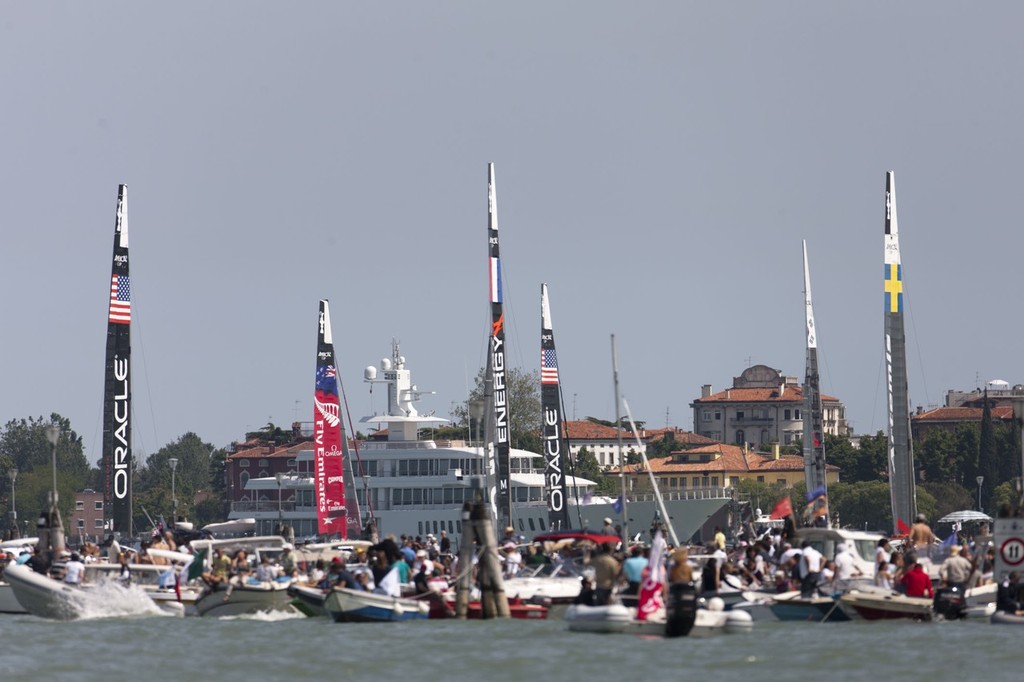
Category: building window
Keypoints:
(764, 436)
(796, 414)
(781, 481)
(291, 463)
(243, 478)
(243, 463)
(760, 479)
(696, 482)
(739, 414)
(682, 482)
(99, 505)
(734, 481)
(98, 523)
(718, 415)
(707, 415)
(787, 439)
(787, 414)
(80, 523)
(739, 437)
(714, 481)
(79, 505)
(264, 463)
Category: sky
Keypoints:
(657, 163)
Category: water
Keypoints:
(148, 649)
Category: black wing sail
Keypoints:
(117, 384)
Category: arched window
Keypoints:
(243, 478)
(739, 437)
(764, 436)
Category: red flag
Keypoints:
(783, 509)
(903, 528)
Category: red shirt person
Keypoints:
(916, 581)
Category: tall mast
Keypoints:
(814, 439)
(901, 454)
(497, 360)
(618, 436)
(117, 384)
(331, 513)
(552, 421)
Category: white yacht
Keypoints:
(417, 486)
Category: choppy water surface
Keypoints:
(159, 648)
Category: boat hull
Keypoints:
(244, 600)
(42, 596)
(619, 619)
(8, 602)
(887, 606)
(816, 610)
(345, 605)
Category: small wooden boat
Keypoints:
(816, 609)
(244, 598)
(879, 605)
(346, 605)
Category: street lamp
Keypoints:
(980, 480)
(173, 461)
(55, 526)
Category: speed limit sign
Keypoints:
(1009, 541)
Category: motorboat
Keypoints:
(618, 619)
(346, 605)
(245, 597)
(46, 597)
(816, 608)
(881, 604)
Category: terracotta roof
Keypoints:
(262, 450)
(962, 414)
(725, 459)
(791, 394)
(679, 436)
(588, 430)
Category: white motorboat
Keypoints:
(879, 604)
(616, 618)
(244, 598)
(46, 597)
(346, 605)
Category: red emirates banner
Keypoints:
(330, 482)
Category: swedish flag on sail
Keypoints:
(893, 288)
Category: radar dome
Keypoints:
(385, 364)
(370, 373)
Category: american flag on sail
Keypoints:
(120, 300)
(548, 367)
(495, 280)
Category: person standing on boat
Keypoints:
(811, 563)
(846, 563)
(632, 571)
(606, 572)
(445, 544)
(719, 538)
(74, 570)
(921, 535)
(1008, 595)
(956, 570)
(916, 581)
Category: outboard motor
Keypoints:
(950, 603)
(681, 610)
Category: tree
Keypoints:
(866, 463)
(867, 504)
(587, 467)
(271, 434)
(949, 497)
(24, 446)
(988, 462)
(192, 475)
(523, 393)
(936, 457)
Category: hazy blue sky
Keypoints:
(658, 164)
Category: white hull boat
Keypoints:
(346, 605)
(46, 597)
(247, 598)
(616, 618)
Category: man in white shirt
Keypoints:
(811, 562)
(74, 569)
(846, 564)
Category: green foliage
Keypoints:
(868, 505)
(1004, 498)
(523, 391)
(23, 446)
(763, 496)
(949, 497)
(271, 434)
(192, 475)
(866, 463)
(936, 457)
(587, 467)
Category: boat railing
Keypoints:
(690, 494)
(373, 445)
(267, 506)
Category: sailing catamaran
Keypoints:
(814, 443)
(332, 512)
(901, 453)
(556, 450)
(117, 385)
(498, 455)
